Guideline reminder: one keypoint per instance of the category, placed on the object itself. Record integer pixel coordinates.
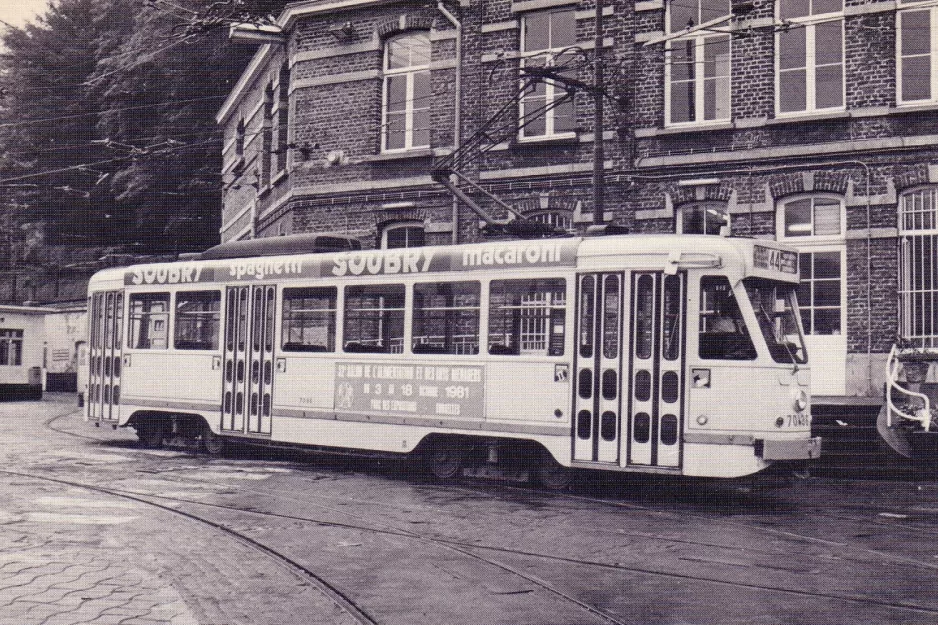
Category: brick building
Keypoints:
(809, 121)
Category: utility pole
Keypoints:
(598, 156)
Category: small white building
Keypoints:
(40, 347)
(22, 342)
(66, 332)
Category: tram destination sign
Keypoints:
(508, 254)
(409, 389)
(785, 261)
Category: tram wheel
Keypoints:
(551, 474)
(151, 433)
(445, 459)
(212, 443)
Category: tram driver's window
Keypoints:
(527, 317)
(197, 320)
(723, 333)
(149, 321)
(309, 319)
(446, 318)
(374, 319)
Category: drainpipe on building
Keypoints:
(457, 113)
(598, 129)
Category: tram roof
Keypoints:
(665, 251)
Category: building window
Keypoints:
(11, 348)
(918, 65)
(267, 147)
(281, 120)
(815, 225)
(446, 318)
(408, 234)
(698, 66)
(704, 218)
(813, 217)
(820, 291)
(407, 93)
(560, 220)
(149, 321)
(546, 38)
(309, 319)
(810, 56)
(240, 133)
(197, 320)
(918, 267)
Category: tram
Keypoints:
(673, 354)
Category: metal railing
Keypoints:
(923, 414)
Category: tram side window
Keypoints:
(11, 347)
(374, 319)
(197, 320)
(723, 333)
(309, 319)
(527, 316)
(149, 321)
(446, 318)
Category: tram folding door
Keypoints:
(248, 381)
(597, 407)
(656, 369)
(104, 355)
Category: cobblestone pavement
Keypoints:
(72, 556)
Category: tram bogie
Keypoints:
(667, 354)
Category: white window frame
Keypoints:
(560, 219)
(812, 237)
(553, 91)
(700, 40)
(907, 6)
(811, 243)
(402, 225)
(409, 72)
(810, 24)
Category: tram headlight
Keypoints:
(702, 419)
(799, 399)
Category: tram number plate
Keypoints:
(798, 420)
(780, 260)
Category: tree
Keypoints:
(107, 122)
(52, 157)
(162, 102)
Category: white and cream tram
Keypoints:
(653, 353)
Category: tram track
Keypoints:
(470, 550)
(296, 568)
(467, 549)
(482, 552)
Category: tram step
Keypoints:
(852, 446)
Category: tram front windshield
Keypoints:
(776, 309)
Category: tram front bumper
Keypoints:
(789, 449)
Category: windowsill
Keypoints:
(399, 156)
(915, 107)
(787, 118)
(670, 130)
(280, 175)
(567, 138)
(237, 168)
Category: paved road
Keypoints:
(95, 530)
(75, 556)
